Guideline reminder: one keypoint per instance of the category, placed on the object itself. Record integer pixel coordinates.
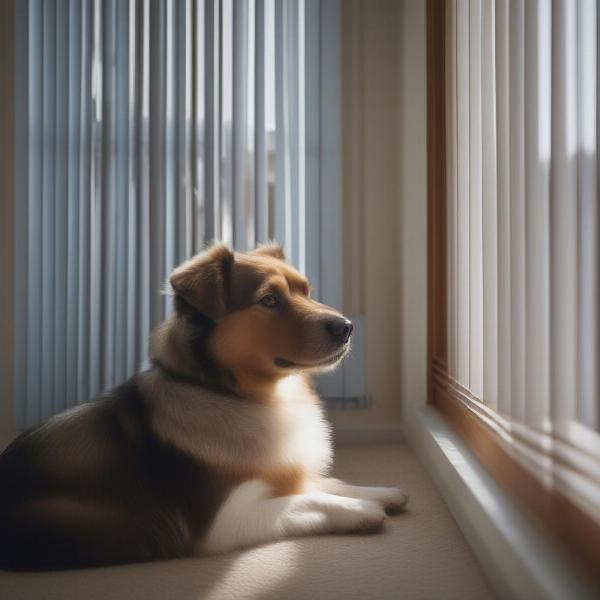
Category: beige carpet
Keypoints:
(421, 555)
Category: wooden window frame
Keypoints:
(572, 527)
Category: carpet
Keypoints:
(420, 555)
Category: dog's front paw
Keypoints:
(394, 500)
(357, 516)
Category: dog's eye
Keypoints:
(270, 301)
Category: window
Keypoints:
(146, 129)
(515, 248)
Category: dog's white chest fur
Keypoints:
(304, 433)
(224, 431)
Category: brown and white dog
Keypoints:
(221, 444)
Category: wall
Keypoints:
(384, 201)
(413, 207)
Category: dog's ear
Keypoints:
(269, 249)
(203, 281)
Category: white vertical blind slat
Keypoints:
(108, 206)
(330, 119)
(502, 38)
(463, 209)
(84, 131)
(170, 158)
(95, 262)
(183, 145)
(157, 167)
(475, 203)
(261, 206)
(60, 208)
(517, 206)
(239, 124)
(73, 208)
(282, 177)
(144, 278)
(198, 124)
(132, 198)
(312, 164)
(271, 112)
(489, 206)
(213, 120)
(564, 212)
(226, 132)
(121, 160)
(300, 139)
(291, 86)
(451, 185)
(336, 382)
(250, 174)
(538, 94)
(589, 214)
(35, 153)
(48, 199)
(46, 247)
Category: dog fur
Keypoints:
(221, 444)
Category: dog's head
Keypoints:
(264, 321)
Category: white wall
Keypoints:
(413, 206)
(384, 200)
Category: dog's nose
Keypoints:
(339, 328)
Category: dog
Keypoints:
(221, 444)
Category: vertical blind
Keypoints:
(151, 128)
(523, 225)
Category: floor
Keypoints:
(420, 555)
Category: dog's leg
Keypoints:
(250, 517)
(393, 499)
